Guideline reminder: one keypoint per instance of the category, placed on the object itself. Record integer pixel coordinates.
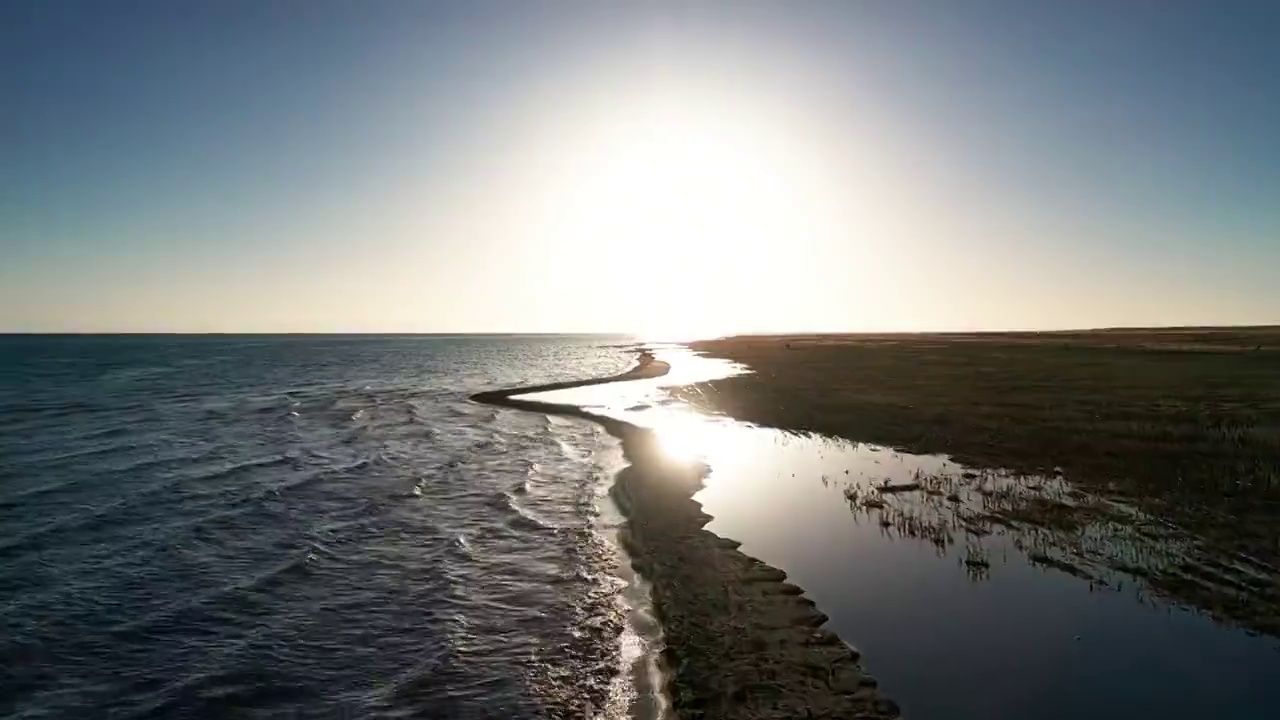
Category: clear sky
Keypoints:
(653, 167)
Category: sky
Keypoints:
(691, 168)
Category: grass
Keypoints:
(1182, 423)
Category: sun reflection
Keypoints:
(682, 442)
(685, 435)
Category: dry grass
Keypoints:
(1184, 423)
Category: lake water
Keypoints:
(308, 527)
(326, 527)
(954, 624)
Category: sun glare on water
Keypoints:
(685, 435)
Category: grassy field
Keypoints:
(1181, 423)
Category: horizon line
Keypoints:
(252, 333)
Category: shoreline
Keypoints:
(1177, 424)
(741, 643)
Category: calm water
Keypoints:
(995, 638)
(307, 527)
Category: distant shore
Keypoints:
(741, 643)
(1181, 423)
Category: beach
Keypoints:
(741, 642)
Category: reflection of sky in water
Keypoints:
(1024, 642)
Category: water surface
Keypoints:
(306, 526)
(297, 527)
(952, 616)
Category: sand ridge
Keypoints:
(742, 643)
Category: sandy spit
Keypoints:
(742, 643)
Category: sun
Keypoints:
(696, 214)
(700, 205)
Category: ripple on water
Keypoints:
(302, 524)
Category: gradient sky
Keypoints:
(655, 167)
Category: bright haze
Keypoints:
(668, 168)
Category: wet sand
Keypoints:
(742, 643)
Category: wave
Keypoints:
(257, 548)
(568, 450)
(54, 409)
(61, 456)
(25, 495)
(217, 692)
(96, 517)
(241, 467)
(516, 515)
(99, 433)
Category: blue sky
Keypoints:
(658, 167)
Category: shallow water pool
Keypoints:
(958, 615)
